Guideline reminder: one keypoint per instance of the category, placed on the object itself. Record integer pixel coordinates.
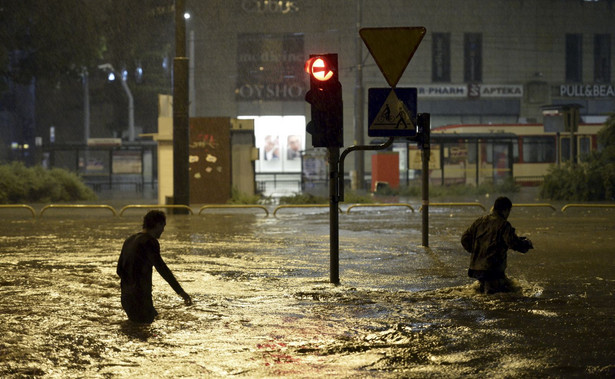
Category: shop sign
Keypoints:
(495, 90)
(587, 90)
(415, 159)
(442, 90)
(269, 6)
(471, 90)
(270, 67)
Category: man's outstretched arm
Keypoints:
(166, 273)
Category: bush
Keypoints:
(354, 197)
(70, 187)
(591, 180)
(21, 184)
(350, 197)
(506, 187)
(299, 198)
(238, 197)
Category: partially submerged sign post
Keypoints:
(394, 115)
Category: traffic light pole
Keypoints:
(326, 128)
(385, 145)
(336, 194)
(334, 230)
(424, 142)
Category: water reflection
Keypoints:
(263, 305)
(133, 330)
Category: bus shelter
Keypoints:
(469, 158)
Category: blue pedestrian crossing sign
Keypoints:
(391, 112)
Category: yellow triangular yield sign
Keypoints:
(392, 48)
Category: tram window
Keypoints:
(565, 146)
(584, 147)
(538, 149)
(471, 146)
(488, 157)
(515, 148)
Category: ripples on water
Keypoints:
(263, 307)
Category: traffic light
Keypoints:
(424, 132)
(325, 98)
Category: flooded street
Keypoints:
(263, 305)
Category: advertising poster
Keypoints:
(280, 141)
(127, 162)
(210, 162)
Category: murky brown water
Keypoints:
(263, 306)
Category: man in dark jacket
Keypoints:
(488, 239)
(140, 253)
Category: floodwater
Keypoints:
(263, 306)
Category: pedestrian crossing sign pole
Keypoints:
(392, 112)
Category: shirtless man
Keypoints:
(140, 253)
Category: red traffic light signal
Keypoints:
(319, 68)
(325, 98)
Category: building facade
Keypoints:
(481, 61)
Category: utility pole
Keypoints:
(358, 104)
(181, 121)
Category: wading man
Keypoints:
(488, 240)
(140, 253)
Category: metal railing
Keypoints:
(203, 208)
(455, 205)
(567, 206)
(285, 206)
(156, 206)
(78, 206)
(534, 205)
(367, 205)
(234, 206)
(19, 206)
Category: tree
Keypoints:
(47, 39)
(49, 44)
(139, 35)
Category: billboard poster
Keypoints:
(127, 162)
(280, 141)
(270, 67)
(210, 160)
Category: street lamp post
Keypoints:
(131, 105)
(181, 120)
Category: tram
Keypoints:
(473, 154)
